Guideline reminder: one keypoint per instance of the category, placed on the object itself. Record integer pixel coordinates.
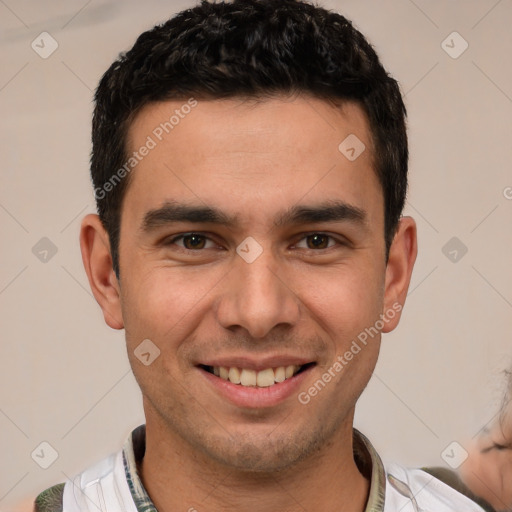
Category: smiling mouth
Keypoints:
(252, 378)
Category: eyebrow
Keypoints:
(330, 211)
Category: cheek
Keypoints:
(504, 474)
(344, 300)
(156, 303)
(482, 474)
(166, 305)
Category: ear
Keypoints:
(402, 255)
(95, 247)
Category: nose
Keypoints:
(257, 297)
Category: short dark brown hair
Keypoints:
(247, 48)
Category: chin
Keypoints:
(265, 453)
(259, 459)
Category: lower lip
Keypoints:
(254, 397)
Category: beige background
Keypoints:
(65, 377)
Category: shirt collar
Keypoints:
(365, 456)
(370, 465)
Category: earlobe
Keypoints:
(402, 255)
(95, 247)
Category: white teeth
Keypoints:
(280, 374)
(262, 379)
(265, 378)
(234, 375)
(248, 377)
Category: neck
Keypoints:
(178, 477)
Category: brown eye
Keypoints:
(317, 241)
(191, 242)
(194, 241)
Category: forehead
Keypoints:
(264, 153)
(300, 118)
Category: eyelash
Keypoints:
(184, 235)
(498, 446)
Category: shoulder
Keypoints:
(73, 494)
(453, 479)
(50, 500)
(409, 488)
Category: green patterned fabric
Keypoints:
(367, 460)
(50, 500)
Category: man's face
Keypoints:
(317, 284)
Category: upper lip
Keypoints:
(256, 364)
